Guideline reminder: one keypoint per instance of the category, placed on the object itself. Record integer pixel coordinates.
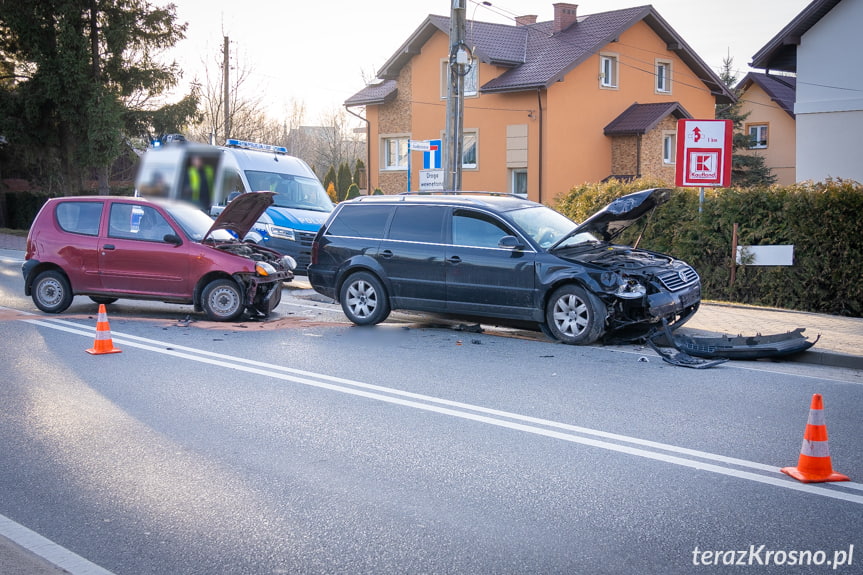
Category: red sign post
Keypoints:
(703, 153)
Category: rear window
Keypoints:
(360, 221)
(79, 217)
(418, 224)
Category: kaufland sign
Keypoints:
(703, 153)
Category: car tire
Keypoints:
(104, 300)
(222, 300)
(51, 292)
(364, 299)
(574, 315)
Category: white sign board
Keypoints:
(419, 145)
(431, 180)
(765, 255)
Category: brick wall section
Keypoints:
(651, 151)
(624, 153)
(395, 118)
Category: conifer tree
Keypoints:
(343, 180)
(84, 80)
(359, 170)
(330, 178)
(747, 170)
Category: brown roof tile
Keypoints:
(781, 89)
(641, 118)
(535, 58)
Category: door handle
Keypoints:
(387, 254)
(108, 247)
(454, 260)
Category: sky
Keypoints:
(321, 52)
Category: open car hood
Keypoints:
(613, 219)
(242, 212)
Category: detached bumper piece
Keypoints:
(680, 357)
(691, 350)
(746, 347)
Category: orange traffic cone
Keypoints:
(103, 343)
(814, 464)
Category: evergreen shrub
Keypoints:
(821, 220)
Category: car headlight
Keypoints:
(264, 269)
(630, 289)
(280, 232)
(289, 262)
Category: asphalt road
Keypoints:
(306, 445)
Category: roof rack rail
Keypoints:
(457, 193)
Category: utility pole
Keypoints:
(226, 65)
(459, 65)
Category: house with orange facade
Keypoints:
(548, 105)
(768, 102)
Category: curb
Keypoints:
(828, 359)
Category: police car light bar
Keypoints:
(232, 143)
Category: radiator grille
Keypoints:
(678, 279)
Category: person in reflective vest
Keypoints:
(199, 182)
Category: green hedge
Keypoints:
(822, 220)
(20, 208)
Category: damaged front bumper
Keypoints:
(668, 304)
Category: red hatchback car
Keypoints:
(122, 247)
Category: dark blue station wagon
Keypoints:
(501, 257)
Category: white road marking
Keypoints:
(537, 426)
(45, 548)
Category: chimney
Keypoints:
(525, 20)
(564, 16)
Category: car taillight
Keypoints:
(315, 246)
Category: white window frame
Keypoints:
(471, 80)
(663, 77)
(468, 135)
(401, 163)
(609, 70)
(514, 175)
(669, 148)
(758, 136)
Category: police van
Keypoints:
(211, 176)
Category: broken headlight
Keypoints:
(630, 288)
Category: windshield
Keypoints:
(291, 191)
(579, 238)
(195, 222)
(544, 225)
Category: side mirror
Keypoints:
(173, 239)
(510, 243)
